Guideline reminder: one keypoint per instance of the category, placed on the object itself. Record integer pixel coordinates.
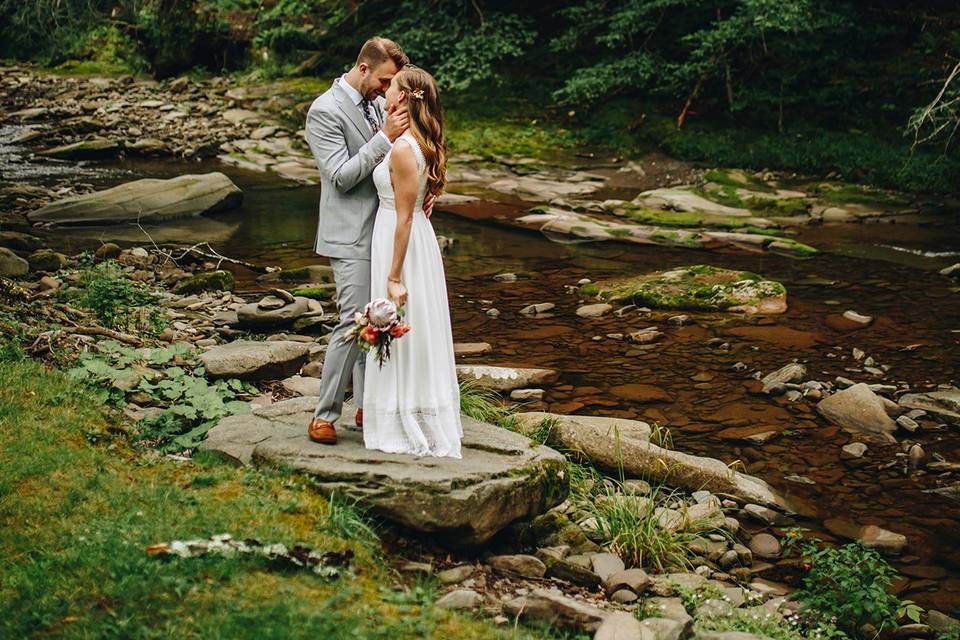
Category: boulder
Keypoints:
(882, 539)
(12, 265)
(46, 260)
(252, 360)
(221, 280)
(520, 565)
(623, 446)
(684, 199)
(502, 477)
(147, 201)
(19, 241)
(857, 408)
(635, 580)
(793, 372)
(695, 288)
(506, 378)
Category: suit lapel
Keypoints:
(352, 112)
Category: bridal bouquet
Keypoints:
(377, 327)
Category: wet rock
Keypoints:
(639, 392)
(471, 348)
(594, 310)
(506, 378)
(858, 409)
(853, 316)
(853, 451)
(93, 149)
(502, 477)
(882, 539)
(944, 404)
(460, 599)
(624, 445)
(699, 287)
(147, 201)
(645, 336)
(312, 274)
(793, 372)
(620, 625)
(537, 309)
(550, 607)
(953, 270)
(12, 265)
(208, 281)
(253, 360)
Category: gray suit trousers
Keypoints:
(352, 277)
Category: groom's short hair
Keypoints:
(377, 50)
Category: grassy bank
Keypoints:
(76, 517)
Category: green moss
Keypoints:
(796, 248)
(675, 238)
(740, 180)
(589, 289)
(696, 288)
(621, 232)
(779, 206)
(845, 193)
(681, 219)
(209, 281)
(316, 293)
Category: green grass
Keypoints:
(75, 519)
(482, 404)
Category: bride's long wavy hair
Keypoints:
(426, 122)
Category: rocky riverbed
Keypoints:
(842, 401)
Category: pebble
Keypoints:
(536, 309)
(493, 313)
(853, 450)
(853, 316)
(907, 423)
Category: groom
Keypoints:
(349, 133)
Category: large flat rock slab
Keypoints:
(501, 478)
(147, 201)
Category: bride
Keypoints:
(412, 403)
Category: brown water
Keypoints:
(885, 271)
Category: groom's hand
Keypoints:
(397, 121)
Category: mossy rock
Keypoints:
(311, 274)
(207, 281)
(695, 288)
(322, 293)
(46, 260)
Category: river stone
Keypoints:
(670, 608)
(550, 607)
(621, 625)
(793, 372)
(93, 149)
(518, 565)
(460, 599)
(626, 449)
(944, 404)
(882, 539)
(12, 265)
(594, 310)
(253, 315)
(46, 260)
(764, 545)
(149, 201)
(573, 572)
(606, 564)
(221, 280)
(698, 287)
(635, 580)
(253, 360)
(501, 478)
(455, 575)
(853, 451)
(506, 378)
(857, 408)
(667, 629)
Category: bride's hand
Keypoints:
(397, 292)
(428, 203)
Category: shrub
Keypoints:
(116, 300)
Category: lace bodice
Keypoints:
(381, 175)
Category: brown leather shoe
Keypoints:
(360, 419)
(322, 431)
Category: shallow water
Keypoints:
(882, 270)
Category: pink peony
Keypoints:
(382, 313)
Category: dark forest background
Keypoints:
(806, 85)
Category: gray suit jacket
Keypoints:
(346, 153)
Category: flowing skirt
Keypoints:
(412, 404)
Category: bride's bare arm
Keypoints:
(406, 181)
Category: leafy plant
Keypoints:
(847, 585)
(116, 300)
(768, 624)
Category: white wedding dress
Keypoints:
(412, 404)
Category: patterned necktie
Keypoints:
(365, 106)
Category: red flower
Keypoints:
(370, 334)
(399, 330)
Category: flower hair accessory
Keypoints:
(417, 93)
